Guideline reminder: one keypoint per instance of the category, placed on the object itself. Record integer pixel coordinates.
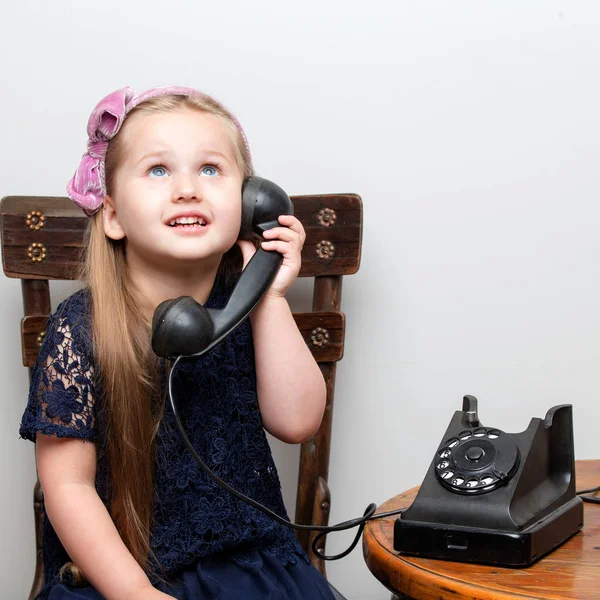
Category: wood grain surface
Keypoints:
(572, 571)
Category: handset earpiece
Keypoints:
(183, 327)
(262, 203)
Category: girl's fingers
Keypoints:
(280, 246)
(287, 234)
(294, 224)
(282, 233)
(289, 220)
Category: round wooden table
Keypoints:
(572, 571)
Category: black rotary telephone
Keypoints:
(493, 497)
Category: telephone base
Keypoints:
(489, 546)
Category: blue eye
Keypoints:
(209, 170)
(158, 172)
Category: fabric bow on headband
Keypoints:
(87, 187)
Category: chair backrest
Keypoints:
(42, 238)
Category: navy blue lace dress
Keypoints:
(210, 544)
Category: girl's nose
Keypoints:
(186, 188)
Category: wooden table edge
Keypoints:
(436, 583)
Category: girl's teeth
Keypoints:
(187, 221)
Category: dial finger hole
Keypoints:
(465, 435)
(447, 474)
(445, 453)
(452, 442)
(480, 432)
(457, 481)
(471, 483)
(494, 433)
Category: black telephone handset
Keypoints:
(182, 326)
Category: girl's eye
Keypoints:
(209, 171)
(158, 172)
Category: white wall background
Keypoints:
(471, 131)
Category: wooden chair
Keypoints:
(42, 239)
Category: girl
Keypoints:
(129, 513)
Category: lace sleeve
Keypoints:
(61, 392)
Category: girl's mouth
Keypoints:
(188, 222)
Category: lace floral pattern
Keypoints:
(62, 386)
(217, 403)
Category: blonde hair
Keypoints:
(129, 370)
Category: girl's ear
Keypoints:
(110, 219)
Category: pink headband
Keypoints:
(87, 188)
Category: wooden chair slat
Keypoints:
(323, 334)
(53, 250)
(33, 329)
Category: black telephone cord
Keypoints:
(360, 522)
(590, 499)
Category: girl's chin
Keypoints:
(193, 258)
(173, 253)
(201, 259)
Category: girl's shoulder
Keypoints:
(75, 305)
(72, 318)
(62, 387)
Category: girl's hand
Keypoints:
(288, 240)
